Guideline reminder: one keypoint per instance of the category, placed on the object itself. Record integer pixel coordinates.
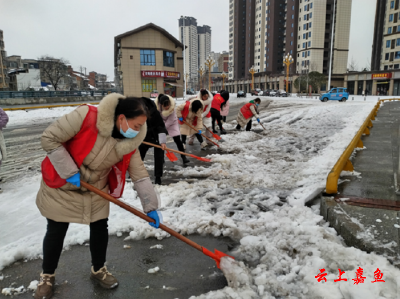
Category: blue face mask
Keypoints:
(257, 105)
(130, 133)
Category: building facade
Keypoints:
(188, 37)
(149, 58)
(3, 68)
(204, 43)
(380, 14)
(315, 36)
(223, 62)
(390, 42)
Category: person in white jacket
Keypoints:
(206, 97)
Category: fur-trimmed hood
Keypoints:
(106, 123)
(171, 109)
(209, 100)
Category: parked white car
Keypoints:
(272, 93)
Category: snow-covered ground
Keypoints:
(254, 192)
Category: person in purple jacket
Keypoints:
(166, 105)
(3, 123)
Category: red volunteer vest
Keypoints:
(245, 110)
(217, 102)
(79, 147)
(185, 113)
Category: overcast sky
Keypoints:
(82, 31)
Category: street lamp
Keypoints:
(201, 72)
(252, 71)
(287, 60)
(223, 79)
(209, 63)
(305, 68)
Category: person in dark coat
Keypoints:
(157, 134)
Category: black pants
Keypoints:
(198, 136)
(158, 157)
(224, 119)
(216, 116)
(178, 142)
(248, 126)
(54, 240)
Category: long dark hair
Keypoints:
(203, 92)
(196, 105)
(131, 107)
(164, 100)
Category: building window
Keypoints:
(391, 4)
(169, 59)
(398, 42)
(310, 5)
(304, 36)
(304, 26)
(305, 17)
(309, 34)
(309, 44)
(387, 56)
(147, 57)
(389, 30)
(303, 54)
(391, 18)
(388, 44)
(304, 45)
(396, 66)
(309, 25)
(397, 55)
(308, 53)
(149, 85)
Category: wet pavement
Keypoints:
(184, 271)
(372, 229)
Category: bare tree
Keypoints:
(52, 69)
(353, 67)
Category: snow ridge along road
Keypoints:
(254, 192)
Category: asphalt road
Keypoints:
(183, 270)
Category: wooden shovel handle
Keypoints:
(167, 149)
(185, 122)
(140, 214)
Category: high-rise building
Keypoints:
(241, 38)
(3, 67)
(275, 34)
(204, 46)
(386, 44)
(315, 36)
(215, 56)
(188, 36)
(262, 32)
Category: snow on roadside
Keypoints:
(254, 192)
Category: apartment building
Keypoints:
(204, 43)
(3, 68)
(380, 14)
(241, 38)
(315, 35)
(188, 37)
(390, 43)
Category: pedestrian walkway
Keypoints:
(376, 170)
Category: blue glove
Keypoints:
(181, 118)
(156, 215)
(258, 119)
(200, 132)
(75, 179)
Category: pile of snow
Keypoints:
(253, 192)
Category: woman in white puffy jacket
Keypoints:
(206, 97)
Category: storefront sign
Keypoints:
(161, 74)
(381, 76)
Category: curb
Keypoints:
(49, 106)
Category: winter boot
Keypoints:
(157, 180)
(44, 289)
(184, 159)
(223, 132)
(204, 145)
(104, 278)
(238, 127)
(215, 131)
(191, 139)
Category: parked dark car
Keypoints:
(267, 92)
(190, 92)
(241, 94)
(254, 92)
(281, 93)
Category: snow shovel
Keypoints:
(185, 122)
(171, 156)
(216, 255)
(178, 152)
(261, 125)
(213, 134)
